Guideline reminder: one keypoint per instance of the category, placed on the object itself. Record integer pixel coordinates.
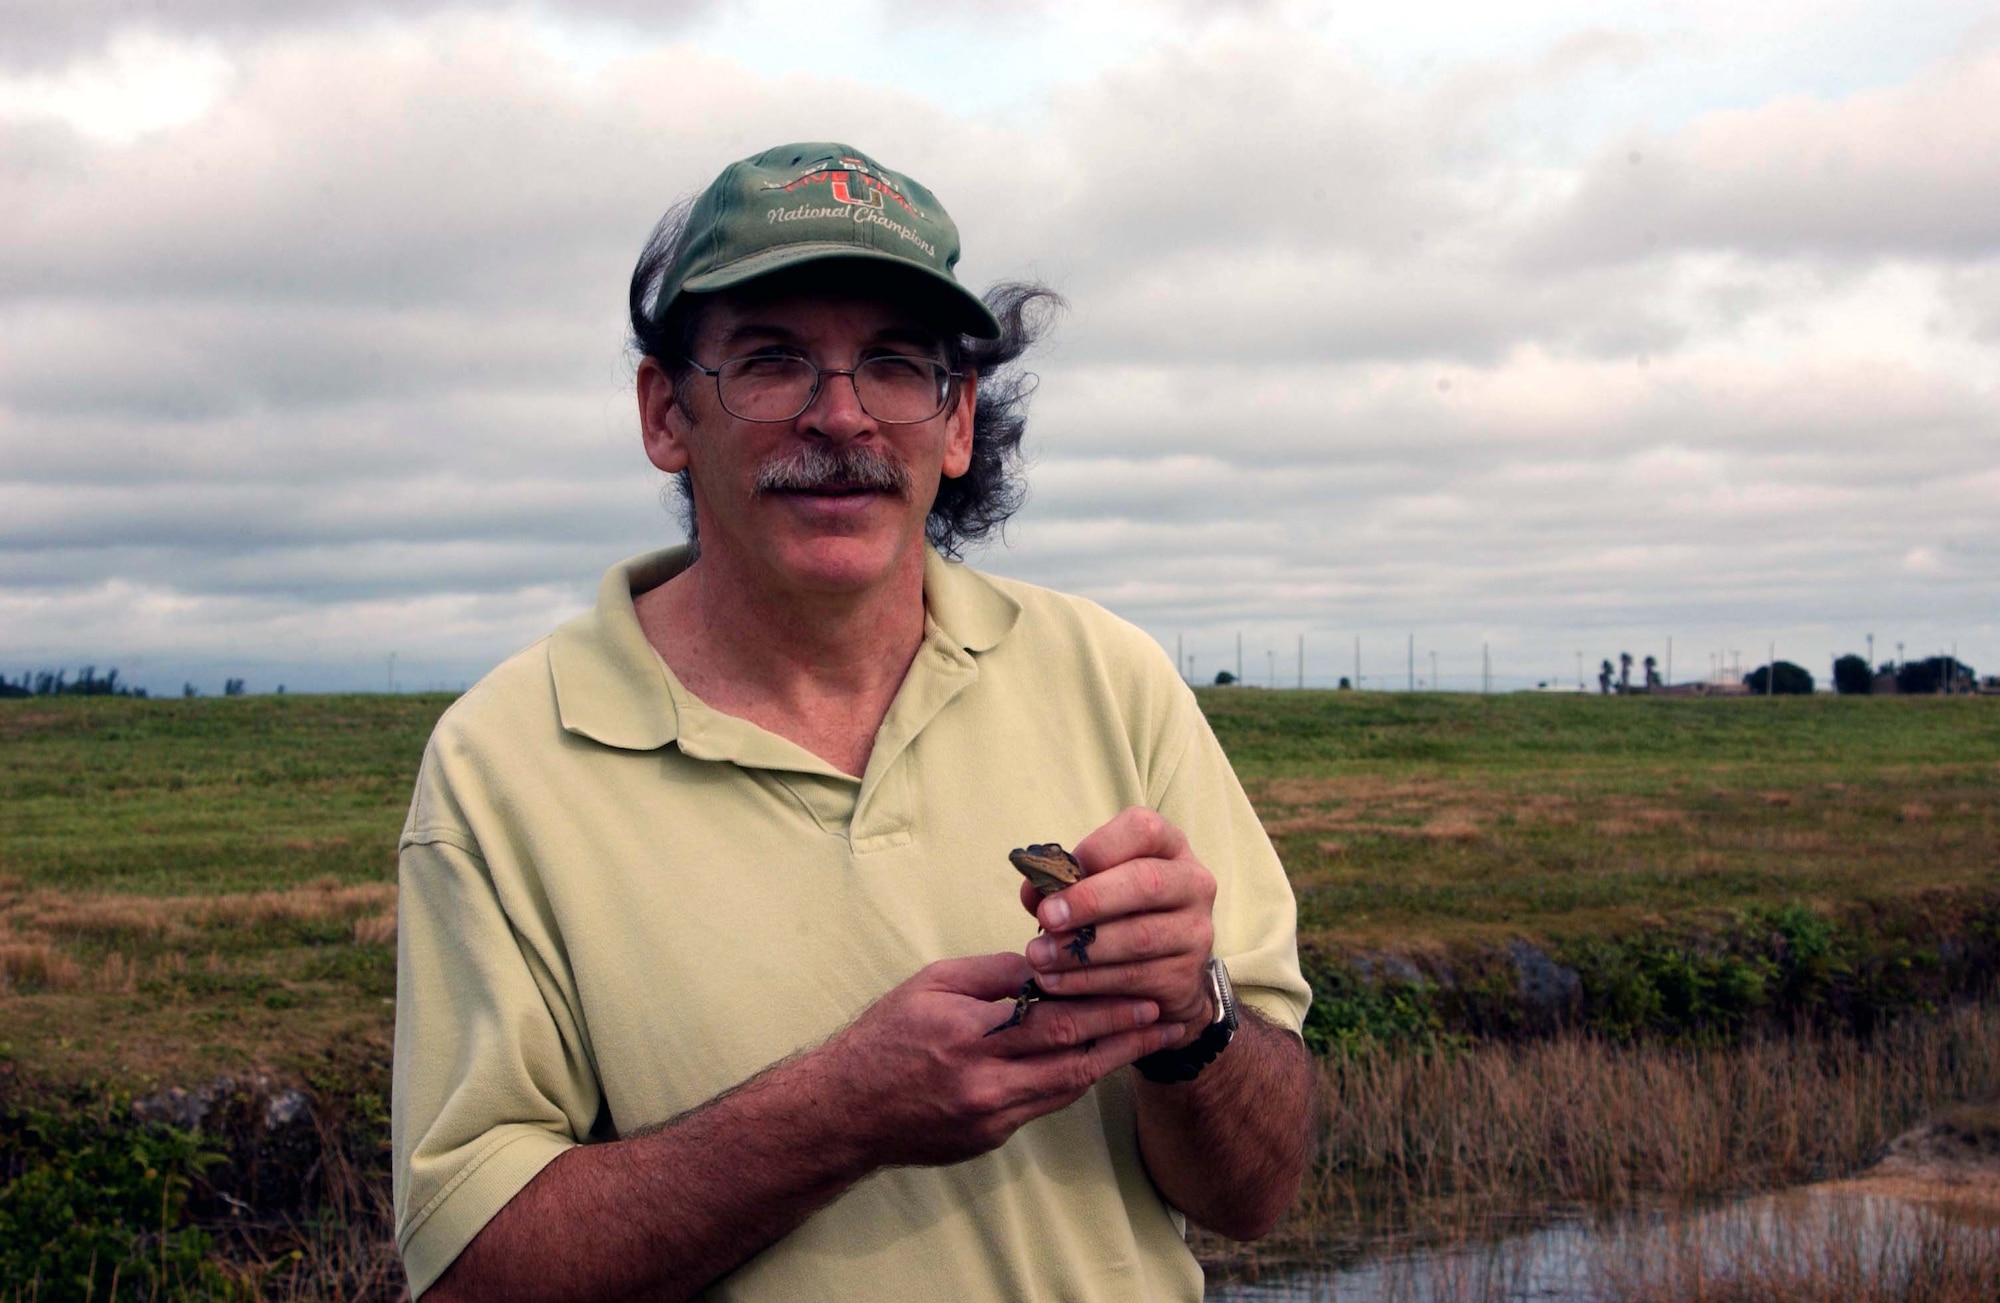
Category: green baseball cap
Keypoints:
(813, 202)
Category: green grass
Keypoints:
(206, 795)
(1405, 821)
(198, 887)
(1437, 816)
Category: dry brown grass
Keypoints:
(1451, 1143)
(376, 930)
(1584, 1122)
(36, 964)
(103, 916)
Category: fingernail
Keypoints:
(1144, 1012)
(1048, 981)
(1041, 952)
(1170, 1033)
(1055, 914)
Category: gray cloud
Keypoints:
(339, 366)
(44, 33)
(1906, 171)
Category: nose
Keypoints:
(835, 411)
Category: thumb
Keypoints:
(982, 977)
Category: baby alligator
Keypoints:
(1050, 868)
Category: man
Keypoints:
(708, 936)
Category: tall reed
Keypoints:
(1427, 1145)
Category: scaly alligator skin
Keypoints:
(1050, 868)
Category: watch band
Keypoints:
(1185, 1062)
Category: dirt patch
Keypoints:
(1954, 1159)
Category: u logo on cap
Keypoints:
(870, 196)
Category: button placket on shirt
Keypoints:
(883, 812)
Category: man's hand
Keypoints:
(1228, 1148)
(1150, 900)
(924, 1084)
(914, 1080)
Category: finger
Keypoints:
(1140, 886)
(1031, 899)
(1133, 833)
(1169, 983)
(1051, 1025)
(1062, 1076)
(982, 977)
(1126, 940)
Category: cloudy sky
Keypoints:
(1542, 329)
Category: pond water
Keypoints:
(1824, 1233)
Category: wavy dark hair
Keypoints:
(968, 509)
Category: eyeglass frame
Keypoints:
(820, 373)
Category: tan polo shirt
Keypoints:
(617, 903)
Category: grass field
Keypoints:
(193, 888)
(207, 885)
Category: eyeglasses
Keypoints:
(894, 390)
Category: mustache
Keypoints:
(817, 468)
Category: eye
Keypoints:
(767, 363)
(896, 366)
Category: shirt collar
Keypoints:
(612, 687)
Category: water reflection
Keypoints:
(1820, 1243)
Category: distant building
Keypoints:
(1704, 690)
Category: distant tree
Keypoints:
(1851, 676)
(1624, 672)
(1345, 686)
(1223, 678)
(57, 683)
(1937, 674)
(1789, 680)
(232, 687)
(1653, 673)
(189, 690)
(1604, 678)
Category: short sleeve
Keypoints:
(1256, 917)
(490, 1081)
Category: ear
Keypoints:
(958, 428)
(662, 424)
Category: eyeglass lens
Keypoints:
(897, 390)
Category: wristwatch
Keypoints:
(1185, 1062)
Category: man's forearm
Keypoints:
(916, 1080)
(1230, 1147)
(662, 1214)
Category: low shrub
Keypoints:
(96, 1208)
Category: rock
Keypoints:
(1549, 992)
(186, 1109)
(287, 1109)
(209, 1105)
(1384, 966)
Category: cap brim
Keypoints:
(961, 306)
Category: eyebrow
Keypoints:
(752, 332)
